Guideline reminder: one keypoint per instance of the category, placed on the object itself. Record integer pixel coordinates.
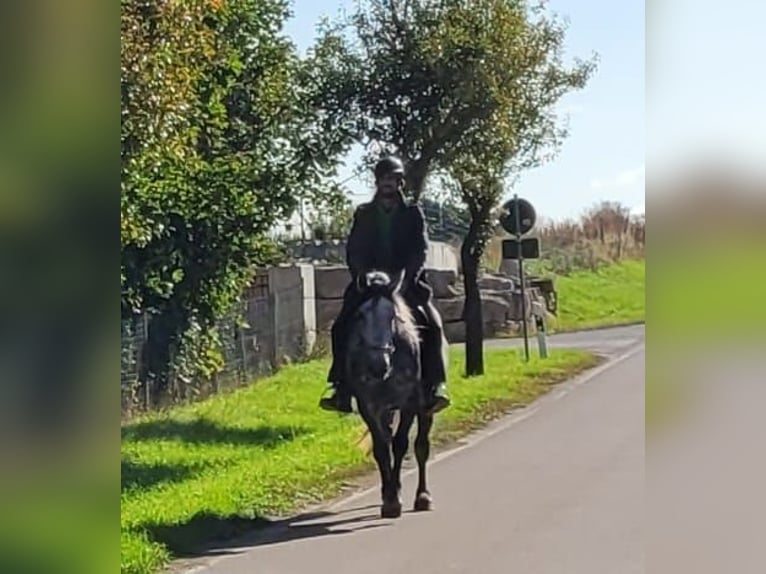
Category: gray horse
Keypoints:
(384, 375)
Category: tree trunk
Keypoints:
(416, 179)
(470, 254)
(162, 341)
(416, 174)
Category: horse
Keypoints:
(383, 370)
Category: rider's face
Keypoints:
(389, 184)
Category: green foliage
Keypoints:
(434, 81)
(330, 216)
(516, 69)
(521, 76)
(447, 221)
(220, 128)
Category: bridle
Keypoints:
(387, 348)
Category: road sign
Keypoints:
(518, 219)
(530, 248)
(519, 216)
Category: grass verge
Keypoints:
(214, 469)
(612, 295)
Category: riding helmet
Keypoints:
(389, 164)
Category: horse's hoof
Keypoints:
(423, 502)
(391, 511)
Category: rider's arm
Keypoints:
(354, 247)
(417, 256)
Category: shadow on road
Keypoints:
(246, 534)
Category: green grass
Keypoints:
(612, 295)
(216, 468)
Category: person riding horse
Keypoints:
(389, 234)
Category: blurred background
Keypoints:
(706, 208)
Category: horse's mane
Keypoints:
(379, 284)
(406, 328)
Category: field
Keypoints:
(611, 295)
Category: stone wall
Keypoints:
(501, 302)
(293, 292)
(329, 283)
(308, 297)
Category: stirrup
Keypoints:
(338, 402)
(438, 399)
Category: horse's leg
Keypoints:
(380, 430)
(422, 452)
(401, 444)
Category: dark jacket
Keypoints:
(408, 249)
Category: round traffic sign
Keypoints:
(526, 216)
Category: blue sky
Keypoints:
(603, 158)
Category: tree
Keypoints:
(411, 88)
(605, 221)
(330, 217)
(518, 70)
(222, 123)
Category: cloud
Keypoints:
(625, 178)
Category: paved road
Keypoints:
(608, 342)
(555, 489)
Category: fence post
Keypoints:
(144, 344)
(242, 346)
(273, 319)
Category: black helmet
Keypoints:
(389, 164)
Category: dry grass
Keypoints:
(604, 234)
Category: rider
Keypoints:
(389, 234)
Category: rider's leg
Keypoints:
(434, 360)
(340, 399)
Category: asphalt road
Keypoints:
(557, 488)
(608, 342)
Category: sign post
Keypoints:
(517, 214)
(538, 312)
(518, 220)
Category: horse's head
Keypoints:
(374, 323)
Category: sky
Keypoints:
(603, 157)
